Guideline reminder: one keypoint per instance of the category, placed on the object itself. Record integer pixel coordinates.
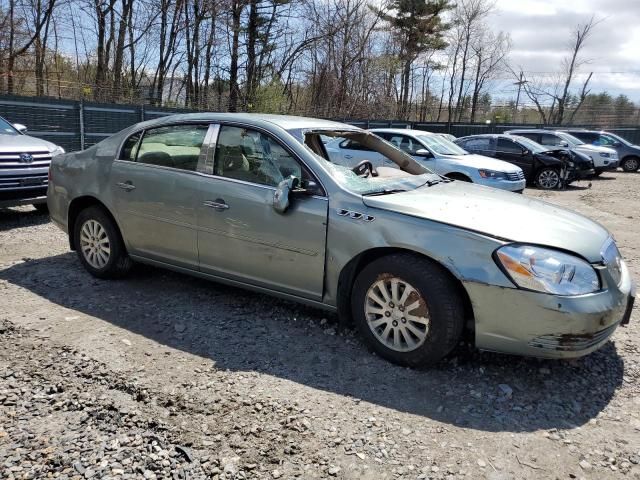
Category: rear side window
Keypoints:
(586, 136)
(529, 135)
(175, 146)
(353, 145)
(548, 139)
(477, 144)
(508, 146)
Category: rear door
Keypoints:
(155, 186)
(352, 153)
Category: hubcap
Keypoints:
(94, 243)
(548, 179)
(632, 164)
(397, 314)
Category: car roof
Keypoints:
(533, 130)
(401, 131)
(287, 122)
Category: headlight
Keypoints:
(546, 270)
(492, 174)
(57, 151)
(605, 154)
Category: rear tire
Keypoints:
(548, 178)
(407, 309)
(99, 244)
(630, 164)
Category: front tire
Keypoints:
(630, 164)
(99, 244)
(407, 309)
(548, 178)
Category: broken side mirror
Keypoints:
(281, 195)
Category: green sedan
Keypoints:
(416, 261)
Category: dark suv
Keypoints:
(548, 169)
(628, 153)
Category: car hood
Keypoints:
(480, 161)
(594, 148)
(23, 144)
(505, 215)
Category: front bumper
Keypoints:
(509, 185)
(510, 320)
(27, 196)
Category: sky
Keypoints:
(541, 30)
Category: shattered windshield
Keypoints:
(364, 163)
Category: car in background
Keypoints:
(603, 158)
(415, 260)
(434, 152)
(24, 167)
(548, 169)
(628, 153)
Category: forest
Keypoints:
(433, 60)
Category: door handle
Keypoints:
(349, 157)
(219, 204)
(128, 186)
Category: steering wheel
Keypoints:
(365, 169)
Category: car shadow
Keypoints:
(244, 331)
(18, 218)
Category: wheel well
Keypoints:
(351, 270)
(77, 205)
(631, 155)
(459, 176)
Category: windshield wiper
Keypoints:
(386, 191)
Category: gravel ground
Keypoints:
(165, 376)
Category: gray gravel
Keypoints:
(166, 376)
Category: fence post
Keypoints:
(81, 118)
(142, 112)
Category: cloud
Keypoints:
(541, 32)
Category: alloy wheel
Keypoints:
(95, 244)
(548, 179)
(397, 314)
(631, 164)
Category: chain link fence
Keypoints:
(76, 125)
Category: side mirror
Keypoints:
(617, 144)
(525, 152)
(564, 144)
(281, 195)
(21, 128)
(423, 152)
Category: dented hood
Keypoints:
(501, 214)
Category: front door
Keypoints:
(241, 236)
(156, 190)
(512, 152)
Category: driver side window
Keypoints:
(251, 156)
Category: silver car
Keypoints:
(24, 165)
(415, 260)
(435, 153)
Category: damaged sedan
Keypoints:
(416, 261)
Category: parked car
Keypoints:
(628, 153)
(416, 260)
(24, 164)
(435, 153)
(548, 169)
(603, 158)
(448, 136)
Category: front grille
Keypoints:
(572, 342)
(11, 160)
(515, 176)
(23, 181)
